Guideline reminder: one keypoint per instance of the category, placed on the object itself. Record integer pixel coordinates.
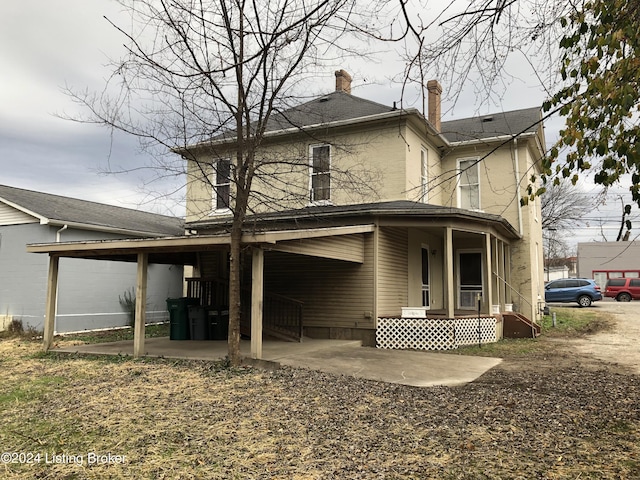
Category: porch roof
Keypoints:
(399, 211)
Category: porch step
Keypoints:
(516, 325)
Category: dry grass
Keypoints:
(544, 417)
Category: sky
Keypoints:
(47, 45)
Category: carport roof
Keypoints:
(311, 222)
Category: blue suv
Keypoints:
(567, 290)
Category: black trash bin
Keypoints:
(218, 323)
(198, 327)
(179, 317)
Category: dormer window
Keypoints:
(320, 173)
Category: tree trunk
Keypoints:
(235, 306)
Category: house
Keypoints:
(89, 290)
(604, 260)
(367, 211)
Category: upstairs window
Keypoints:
(221, 184)
(320, 172)
(424, 180)
(469, 184)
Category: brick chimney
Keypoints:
(343, 81)
(435, 91)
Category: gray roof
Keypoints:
(333, 107)
(318, 215)
(60, 210)
(494, 125)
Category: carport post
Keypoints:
(257, 293)
(141, 305)
(50, 312)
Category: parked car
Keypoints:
(584, 291)
(623, 289)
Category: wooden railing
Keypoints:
(281, 316)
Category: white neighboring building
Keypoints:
(89, 290)
(604, 260)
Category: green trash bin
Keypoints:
(179, 317)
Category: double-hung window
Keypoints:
(320, 173)
(424, 179)
(469, 184)
(221, 182)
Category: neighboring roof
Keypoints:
(58, 210)
(493, 125)
(327, 213)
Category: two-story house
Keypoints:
(359, 210)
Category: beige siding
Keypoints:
(392, 258)
(415, 143)
(349, 248)
(13, 216)
(366, 165)
(335, 293)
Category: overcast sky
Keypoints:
(45, 45)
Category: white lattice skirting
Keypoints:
(434, 333)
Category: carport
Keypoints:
(178, 251)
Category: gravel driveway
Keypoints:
(620, 344)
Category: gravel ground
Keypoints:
(554, 414)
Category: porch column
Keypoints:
(141, 305)
(489, 274)
(449, 293)
(257, 294)
(50, 308)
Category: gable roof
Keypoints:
(59, 210)
(494, 125)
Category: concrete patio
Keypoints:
(339, 357)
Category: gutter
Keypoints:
(499, 138)
(335, 124)
(99, 228)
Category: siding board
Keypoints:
(335, 293)
(345, 247)
(13, 216)
(393, 278)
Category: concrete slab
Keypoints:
(340, 357)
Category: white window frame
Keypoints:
(461, 185)
(313, 174)
(424, 175)
(215, 209)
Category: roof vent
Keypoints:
(487, 119)
(323, 99)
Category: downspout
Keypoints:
(59, 232)
(516, 168)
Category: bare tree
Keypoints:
(199, 73)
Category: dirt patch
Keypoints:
(554, 414)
